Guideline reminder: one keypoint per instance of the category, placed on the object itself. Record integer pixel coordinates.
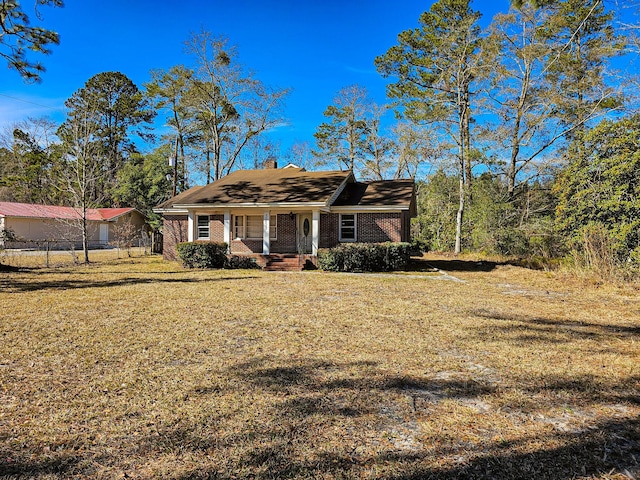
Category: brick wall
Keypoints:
(174, 231)
(329, 230)
(286, 242)
(406, 227)
(371, 227)
(246, 246)
(379, 227)
(216, 228)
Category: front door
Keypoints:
(104, 233)
(304, 233)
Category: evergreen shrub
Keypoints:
(203, 254)
(365, 257)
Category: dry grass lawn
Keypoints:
(137, 368)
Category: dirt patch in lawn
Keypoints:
(141, 369)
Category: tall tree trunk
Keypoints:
(515, 136)
(460, 214)
(466, 137)
(462, 187)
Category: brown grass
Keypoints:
(139, 369)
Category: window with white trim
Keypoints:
(347, 227)
(254, 226)
(251, 226)
(202, 222)
(238, 226)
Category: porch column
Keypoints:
(227, 230)
(315, 232)
(266, 245)
(190, 226)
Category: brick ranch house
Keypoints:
(34, 225)
(288, 211)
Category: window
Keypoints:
(238, 226)
(254, 226)
(348, 227)
(251, 226)
(203, 227)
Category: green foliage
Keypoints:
(343, 138)
(113, 109)
(518, 224)
(212, 255)
(28, 162)
(202, 254)
(142, 183)
(365, 257)
(240, 262)
(7, 235)
(577, 73)
(433, 61)
(437, 201)
(17, 37)
(418, 247)
(600, 188)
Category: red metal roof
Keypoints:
(27, 210)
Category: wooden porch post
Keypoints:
(191, 226)
(227, 230)
(266, 245)
(315, 232)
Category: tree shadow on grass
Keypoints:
(16, 285)
(306, 418)
(58, 465)
(427, 265)
(308, 402)
(611, 446)
(579, 328)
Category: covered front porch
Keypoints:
(267, 232)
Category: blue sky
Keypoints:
(314, 47)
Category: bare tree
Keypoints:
(230, 105)
(418, 150)
(80, 170)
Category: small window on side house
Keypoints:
(348, 227)
(203, 227)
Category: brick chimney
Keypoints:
(270, 163)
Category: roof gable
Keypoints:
(380, 193)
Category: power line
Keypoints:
(32, 103)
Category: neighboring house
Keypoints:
(288, 210)
(35, 225)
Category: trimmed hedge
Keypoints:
(365, 257)
(202, 254)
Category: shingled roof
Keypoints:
(381, 193)
(268, 186)
(296, 187)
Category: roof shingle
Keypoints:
(285, 185)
